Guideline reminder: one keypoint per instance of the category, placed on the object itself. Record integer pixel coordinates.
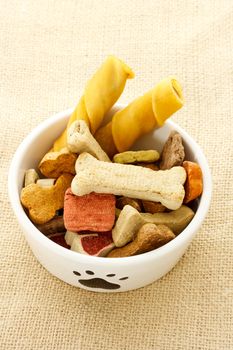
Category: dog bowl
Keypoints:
(96, 273)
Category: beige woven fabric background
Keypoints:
(48, 49)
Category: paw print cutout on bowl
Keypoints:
(97, 282)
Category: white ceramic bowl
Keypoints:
(115, 274)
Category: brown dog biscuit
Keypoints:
(135, 203)
(149, 237)
(153, 207)
(53, 226)
(173, 151)
(42, 203)
(55, 164)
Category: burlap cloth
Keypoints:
(48, 51)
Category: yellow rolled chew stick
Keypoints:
(101, 92)
(141, 116)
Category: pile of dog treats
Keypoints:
(129, 206)
(95, 196)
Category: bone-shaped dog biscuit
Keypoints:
(42, 203)
(80, 139)
(129, 180)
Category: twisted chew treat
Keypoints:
(100, 94)
(141, 116)
(79, 140)
(165, 186)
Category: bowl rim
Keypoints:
(24, 221)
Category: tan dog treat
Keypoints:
(45, 183)
(129, 180)
(151, 166)
(53, 226)
(131, 157)
(127, 225)
(173, 151)
(55, 164)
(31, 177)
(135, 203)
(176, 220)
(70, 236)
(43, 203)
(149, 237)
(194, 183)
(153, 207)
(79, 140)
